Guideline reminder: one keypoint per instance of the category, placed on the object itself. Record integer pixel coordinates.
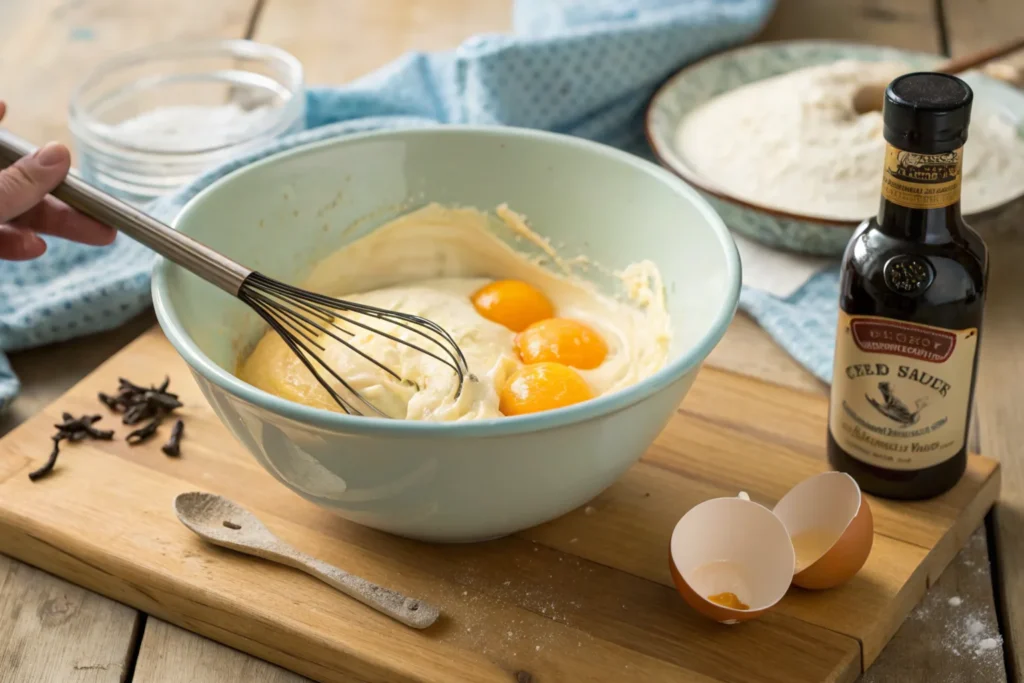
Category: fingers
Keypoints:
(54, 217)
(24, 184)
(18, 244)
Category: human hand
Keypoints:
(25, 208)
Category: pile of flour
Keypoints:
(794, 143)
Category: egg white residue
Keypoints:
(429, 263)
(794, 143)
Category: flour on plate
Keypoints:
(794, 143)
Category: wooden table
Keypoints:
(53, 631)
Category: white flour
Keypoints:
(191, 128)
(794, 143)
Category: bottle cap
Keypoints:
(927, 112)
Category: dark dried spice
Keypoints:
(72, 429)
(144, 433)
(139, 404)
(47, 467)
(173, 445)
(112, 402)
(72, 423)
(163, 401)
(125, 385)
(139, 412)
(100, 434)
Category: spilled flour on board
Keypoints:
(954, 637)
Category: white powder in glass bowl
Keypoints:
(191, 127)
(794, 143)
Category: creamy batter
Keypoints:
(794, 143)
(429, 263)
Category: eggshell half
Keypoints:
(829, 503)
(731, 545)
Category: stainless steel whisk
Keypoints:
(297, 315)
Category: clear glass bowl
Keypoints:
(147, 122)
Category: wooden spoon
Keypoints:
(222, 522)
(870, 97)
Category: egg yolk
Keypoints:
(559, 340)
(728, 600)
(512, 303)
(544, 386)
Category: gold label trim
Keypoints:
(922, 181)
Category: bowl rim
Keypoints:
(688, 360)
(693, 178)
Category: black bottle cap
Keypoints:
(927, 112)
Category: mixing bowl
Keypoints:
(457, 481)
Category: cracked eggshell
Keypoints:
(731, 545)
(829, 504)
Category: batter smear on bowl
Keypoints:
(534, 339)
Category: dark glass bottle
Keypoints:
(911, 295)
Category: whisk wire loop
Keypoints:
(300, 317)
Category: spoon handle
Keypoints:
(968, 61)
(409, 611)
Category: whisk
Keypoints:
(300, 317)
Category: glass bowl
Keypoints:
(148, 121)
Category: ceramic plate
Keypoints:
(714, 75)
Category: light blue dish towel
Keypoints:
(581, 67)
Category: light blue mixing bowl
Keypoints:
(466, 481)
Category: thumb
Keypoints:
(31, 178)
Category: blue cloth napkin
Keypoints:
(580, 67)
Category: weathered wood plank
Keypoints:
(171, 654)
(339, 40)
(50, 45)
(51, 630)
(910, 24)
(999, 419)
(736, 349)
(956, 622)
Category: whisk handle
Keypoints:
(208, 264)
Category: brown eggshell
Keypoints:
(731, 545)
(831, 506)
(719, 613)
(844, 559)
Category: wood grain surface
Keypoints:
(340, 40)
(52, 630)
(169, 654)
(944, 635)
(598, 579)
(910, 24)
(999, 415)
(61, 35)
(49, 46)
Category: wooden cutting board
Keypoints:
(587, 597)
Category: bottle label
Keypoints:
(900, 391)
(922, 181)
